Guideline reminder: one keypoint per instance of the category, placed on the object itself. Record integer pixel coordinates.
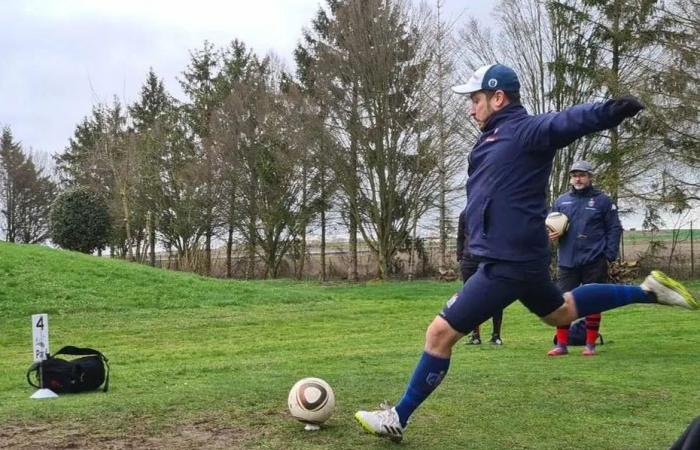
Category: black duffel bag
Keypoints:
(87, 373)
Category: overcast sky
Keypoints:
(59, 58)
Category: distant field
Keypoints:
(681, 259)
(203, 363)
(635, 244)
(661, 235)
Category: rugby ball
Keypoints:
(557, 221)
(311, 400)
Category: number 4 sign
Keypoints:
(40, 339)
(40, 336)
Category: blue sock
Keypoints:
(596, 298)
(426, 377)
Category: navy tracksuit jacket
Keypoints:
(594, 227)
(509, 170)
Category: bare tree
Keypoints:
(449, 119)
(103, 156)
(179, 199)
(336, 95)
(261, 127)
(117, 151)
(149, 118)
(375, 75)
(25, 194)
(671, 88)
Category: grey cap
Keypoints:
(581, 166)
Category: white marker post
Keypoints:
(40, 340)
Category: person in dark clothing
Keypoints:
(690, 439)
(509, 168)
(591, 242)
(468, 266)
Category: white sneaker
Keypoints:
(384, 422)
(669, 291)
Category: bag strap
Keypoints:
(107, 374)
(33, 368)
(85, 351)
(78, 351)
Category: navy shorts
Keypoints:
(497, 284)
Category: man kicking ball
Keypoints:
(509, 169)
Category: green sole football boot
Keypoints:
(669, 291)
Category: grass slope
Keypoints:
(200, 363)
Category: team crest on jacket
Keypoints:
(591, 203)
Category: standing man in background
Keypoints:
(468, 266)
(591, 242)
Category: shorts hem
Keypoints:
(452, 325)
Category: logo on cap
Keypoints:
(493, 82)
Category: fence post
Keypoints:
(692, 252)
(622, 245)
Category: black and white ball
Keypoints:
(311, 400)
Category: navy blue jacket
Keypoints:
(509, 171)
(594, 227)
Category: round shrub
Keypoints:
(79, 220)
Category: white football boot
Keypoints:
(669, 291)
(383, 422)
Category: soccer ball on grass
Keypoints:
(311, 401)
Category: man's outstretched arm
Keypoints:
(557, 130)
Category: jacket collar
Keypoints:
(588, 191)
(504, 115)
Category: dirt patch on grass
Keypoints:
(202, 434)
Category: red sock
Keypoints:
(592, 327)
(563, 336)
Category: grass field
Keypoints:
(200, 363)
(662, 235)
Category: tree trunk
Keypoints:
(352, 229)
(229, 250)
(303, 253)
(250, 271)
(137, 254)
(352, 180)
(304, 200)
(152, 238)
(207, 249)
(229, 238)
(442, 142)
(127, 224)
(381, 265)
(616, 157)
(323, 243)
(10, 213)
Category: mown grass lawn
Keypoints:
(200, 363)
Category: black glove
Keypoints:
(625, 106)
